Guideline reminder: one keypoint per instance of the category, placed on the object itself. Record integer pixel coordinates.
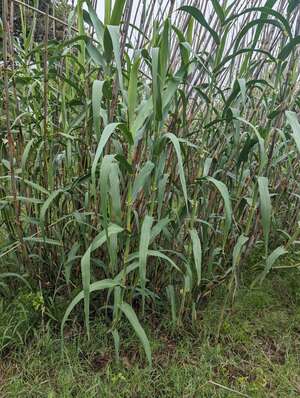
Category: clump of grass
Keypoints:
(142, 161)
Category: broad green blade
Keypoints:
(96, 286)
(156, 85)
(117, 12)
(237, 250)
(97, 94)
(265, 208)
(132, 92)
(98, 25)
(222, 188)
(197, 252)
(143, 252)
(116, 39)
(131, 316)
(176, 145)
(172, 298)
(106, 134)
(141, 179)
(164, 51)
(107, 11)
(158, 227)
(271, 259)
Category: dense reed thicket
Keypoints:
(145, 157)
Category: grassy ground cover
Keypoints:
(257, 354)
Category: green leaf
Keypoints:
(278, 252)
(86, 280)
(132, 91)
(109, 172)
(141, 179)
(164, 51)
(25, 199)
(143, 252)
(189, 33)
(265, 208)
(176, 145)
(116, 39)
(237, 250)
(222, 188)
(156, 253)
(97, 94)
(265, 11)
(217, 69)
(116, 338)
(162, 183)
(197, 14)
(26, 153)
(242, 84)
(146, 109)
(288, 48)
(197, 252)
(96, 56)
(107, 12)
(294, 123)
(125, 271)
(106, 166)
(185, 45)
(72, 256)
(47, 204)
(126, 133)
(98, 25)
(43, 240)
(115, 193)
(143, 112)
(86, 266)
(253, 23)
(158, 227)
(262, 151)
(218, 10)
(132, 318)
(293, 4)
(117, 12)
(37, 187)
(156, 84)
(172, 298)
(107, 132)
(96, 286)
